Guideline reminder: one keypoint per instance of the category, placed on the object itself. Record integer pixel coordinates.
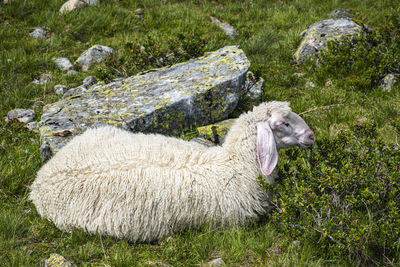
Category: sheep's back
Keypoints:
(134, 186)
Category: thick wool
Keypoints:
(144, 187)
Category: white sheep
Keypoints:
(142, 187)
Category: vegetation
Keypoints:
(345, 197)
(335, 205)
(363, 62)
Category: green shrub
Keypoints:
(363, 61)
(346, 197)
(142, 56)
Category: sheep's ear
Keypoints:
(266, 148)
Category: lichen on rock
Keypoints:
(216, 132)
(166, 100)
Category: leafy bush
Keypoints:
(141, 56)
(346, 197)
(362, 61)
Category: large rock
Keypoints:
(167, 100)
(318, 35)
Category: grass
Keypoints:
(269, 34)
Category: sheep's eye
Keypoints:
(286, 124)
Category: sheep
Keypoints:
(143, 187)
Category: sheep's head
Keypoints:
(280, 128)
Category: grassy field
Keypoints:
(269, 34)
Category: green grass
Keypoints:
(269, 34)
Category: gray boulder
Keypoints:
(166, 100)
(95, 54)
(21, 115)
(318, 35)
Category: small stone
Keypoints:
(39, 82)
(139, 13)
(21, 115)
(33, 126)
(39, 33)
(72, 5)
(43, 79)
(60, 89)
(228, 29)
(215, 263)
(56, 260)
(388, 82)
(340, 13)
(298, 74)
(72, 72)
(62, 133)
(328, 83)
(91, 2)
(95, 54)
(89, 81)
(310, 84)
(63, 63)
